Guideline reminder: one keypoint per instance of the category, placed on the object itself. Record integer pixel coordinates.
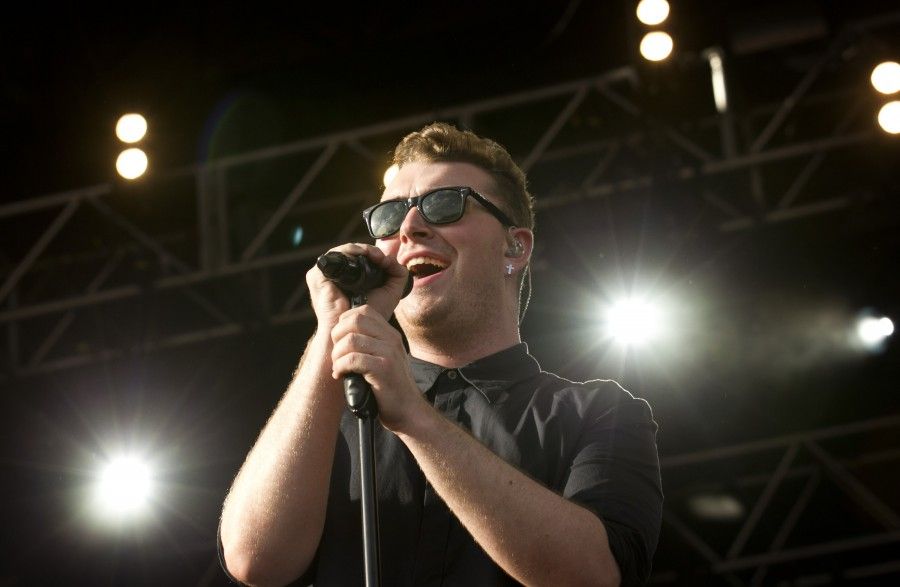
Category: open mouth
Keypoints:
(424, 266)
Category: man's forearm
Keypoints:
(273, 517)
(535, 535)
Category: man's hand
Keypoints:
(365, 343)
(329, 302)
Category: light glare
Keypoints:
(390, 173)
(889, 117)
(718, 81)
(131, 163)
(634, 322)
(124, 486)
(872, 331)
(652, 12)
(717, 507)
(131, 128)
(656, 46)
(886, 77)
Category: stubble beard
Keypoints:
(452, 319)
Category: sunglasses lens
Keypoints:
(443, 206)
(386, 219)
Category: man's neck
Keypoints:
(455, 339)
(457, 351)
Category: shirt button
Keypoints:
(451, 374)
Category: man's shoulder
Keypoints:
(594, 394)
(608, 387)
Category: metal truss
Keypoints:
(225, 253)
(793, 532)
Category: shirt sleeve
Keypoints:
(615, 474)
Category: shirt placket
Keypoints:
(437, 520)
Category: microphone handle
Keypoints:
(360, 399)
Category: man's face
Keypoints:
(458, 267)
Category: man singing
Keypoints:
(490, 471)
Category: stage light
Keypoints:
(714, 56)
(123, 487)
(390, 173)
(886, 77)
(873, 331)
(656, 46)
(652, 12)
(889, 117)
(131, 163)
(633, 322)
(131, 128)
(719, 507)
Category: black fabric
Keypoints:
(593, 443)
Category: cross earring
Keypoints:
(509, 268)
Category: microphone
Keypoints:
(354, 275)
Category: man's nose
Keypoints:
(414, 225)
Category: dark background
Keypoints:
(762, 314)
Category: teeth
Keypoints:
(424, 261)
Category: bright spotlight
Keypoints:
(390, 173)
(886, 77)
(132, 163)
(124, 486)
(131, 128)
(633, 322)
(889, 117)
(652, 12)
(873, 331)
(656, 46)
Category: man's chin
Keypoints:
(419, 310)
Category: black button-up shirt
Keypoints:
(593, 443)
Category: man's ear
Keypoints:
(521, 243)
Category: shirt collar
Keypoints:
(491, 375)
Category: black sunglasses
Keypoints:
(440, 206)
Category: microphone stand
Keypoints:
(361, 402)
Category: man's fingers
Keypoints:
(365, 320)
(356, 343)
(356, 363)
(353, 320)
(375, 254)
